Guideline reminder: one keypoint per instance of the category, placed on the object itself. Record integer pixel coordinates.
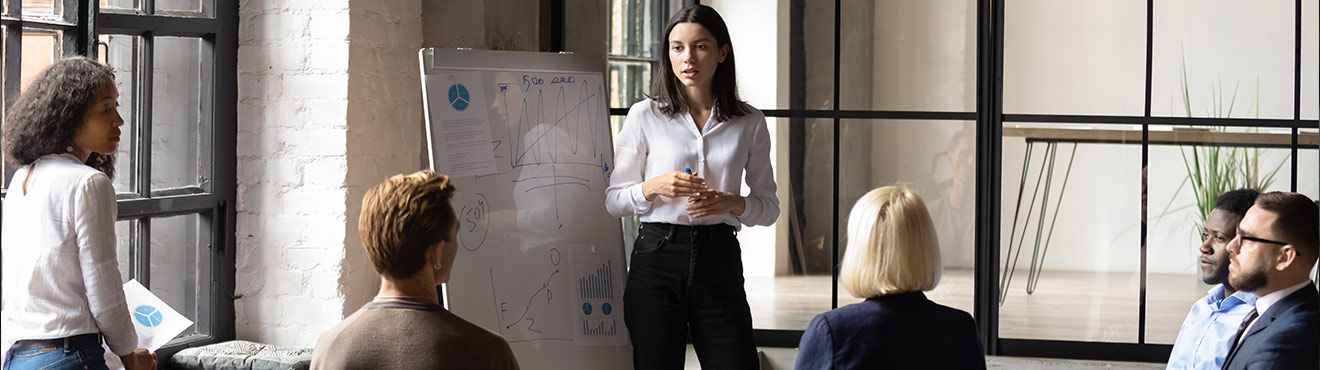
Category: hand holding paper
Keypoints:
(156, 323)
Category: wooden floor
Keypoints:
(1081, 306)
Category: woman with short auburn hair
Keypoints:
(893, 256)
(409, 229)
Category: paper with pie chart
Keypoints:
(156, 322)
(459, 112)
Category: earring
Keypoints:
(437, 266)
(69, 149)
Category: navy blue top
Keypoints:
(1287, 336)
(898, 331)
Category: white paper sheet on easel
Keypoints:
(156, 323)
(462, 141)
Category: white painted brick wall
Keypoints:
(384, 115)
(329, 105)
(291, 221)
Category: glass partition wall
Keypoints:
(1055, 144)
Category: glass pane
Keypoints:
(1310, 60)
(1223, 58)
(908, 55)
(124, 237)
(1308, 164)
(936, 160)
(634, 26)
(175, 274)
(788, 279)
(41, 48)
(1075, 57)
(1253, 158)
(177, 157)
(765, 78)
(181, 7)
(1070, 255)
(43, 9)
(629, 82)
(120, 52)
(113, 5)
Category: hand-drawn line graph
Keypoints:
(524, 324)
(558, 135)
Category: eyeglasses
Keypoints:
(1262, 241)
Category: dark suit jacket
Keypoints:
(900, 331)
(1287, 336)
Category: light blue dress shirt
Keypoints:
(1204, 338)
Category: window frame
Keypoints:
(217, 28)
(989, 116)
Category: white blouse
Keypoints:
(652, 144)
(61, 276)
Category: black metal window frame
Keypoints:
(990, 55)
(217, 28)
(989, 117)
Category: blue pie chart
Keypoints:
(458, 97)
(148, 316)
(586, 308)
(605, 308)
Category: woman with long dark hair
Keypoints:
(680, 162)
(62, 289)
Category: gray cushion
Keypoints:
(243, 355)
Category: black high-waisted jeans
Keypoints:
(688, 278)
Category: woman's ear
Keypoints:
(724, 51)
(434, 255)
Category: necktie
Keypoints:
(1237, 338)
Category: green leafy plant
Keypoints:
(1212, 169)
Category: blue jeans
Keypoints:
(56, 358)
(682, 279)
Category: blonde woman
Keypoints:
(893, 256)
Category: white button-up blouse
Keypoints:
(61, 276)
(652, 144)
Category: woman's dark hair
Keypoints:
(668, 91)
(45, 117)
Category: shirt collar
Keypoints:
(1263, 303)
(60, 156)
(1215, 297)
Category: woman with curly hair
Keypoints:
(62, 289)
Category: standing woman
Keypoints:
(681, 158)
(62, 289)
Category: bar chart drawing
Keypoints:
(600, 287)
(600, 328)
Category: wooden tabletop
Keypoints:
(1307, 140)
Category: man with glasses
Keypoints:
(1276, 245)
(1212, 321)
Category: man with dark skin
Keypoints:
(1203, 339)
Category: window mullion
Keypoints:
(142, 101)
(142, 252)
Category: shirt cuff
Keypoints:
(640, 204)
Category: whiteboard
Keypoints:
(540, 260)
